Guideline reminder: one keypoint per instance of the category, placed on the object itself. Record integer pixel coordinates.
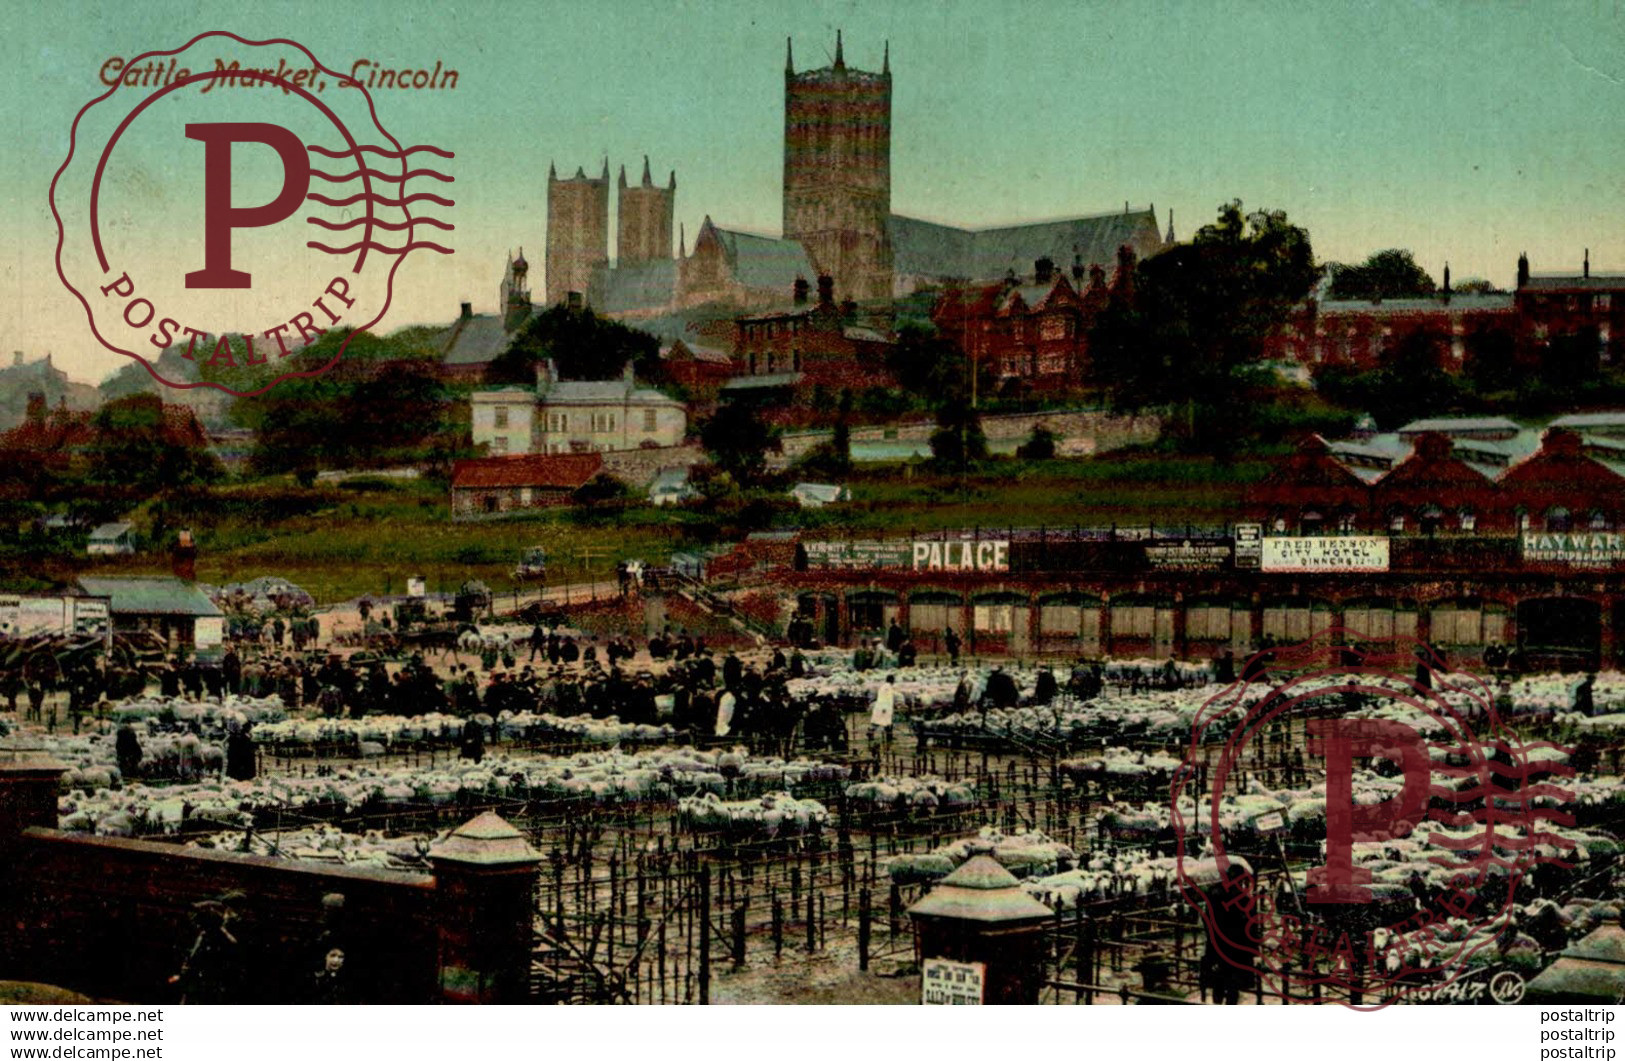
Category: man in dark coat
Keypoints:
(473, 741)
(127, 748)
(1002, 689)
(950, 640)
(1228, 962)
(240, 759)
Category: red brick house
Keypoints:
(493, 485)
(826, 344)
(1037, 331)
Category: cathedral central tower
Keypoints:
(837, 172)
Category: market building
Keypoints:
(177, 611)
(1435, 549)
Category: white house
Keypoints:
(817, 495)
(671, 487)
(110, 539)
(576, 416)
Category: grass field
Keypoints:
(369, 536)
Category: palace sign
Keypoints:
(1575, 550)
(1325, 554)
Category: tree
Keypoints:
(380, 404)
(1040, 445)
(834, 458)
(1199, 315)
(958, 440)
(739, 439)
(581, 344)
(1476, 286)
(136, 453)
(1491, 351)
(1386, 274)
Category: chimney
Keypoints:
(1587, 268)
(468, 310)
(801, 291)
(1446, 293)
(36, 408)
(1077, 269)
(183, 558)
(1523, 270)
(572, 300)
(1044, 270)
(826, 290)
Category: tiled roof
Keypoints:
(765, 262)
(600, 392)
(1486, 303)
(150, 596)
(1448, 424)
(640, 286)
(477, 340)
(109, 531)
(1590, 421)
(778, 379)
(926, 248)
(697, 352)
(1594, 282)
(565, 471)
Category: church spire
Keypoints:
(682, 241)
(623, 175)
(789, 59)
(1170, 237)
(672, 185)
(552, 171)
(885, 59)
(840, 60)
(647, 183)
(605, 175)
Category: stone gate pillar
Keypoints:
(485, 874)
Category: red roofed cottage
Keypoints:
(491, 485)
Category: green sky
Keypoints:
(1464, 131)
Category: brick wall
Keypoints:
(113, 919)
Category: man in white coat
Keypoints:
(725, 712)
(884, 713)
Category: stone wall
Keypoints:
(638, 467)
(1083, 433)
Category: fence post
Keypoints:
(863, 929)
(778, 926)
(705, 935)
(812, 923)
(739, 937)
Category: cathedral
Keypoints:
(837, 223)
